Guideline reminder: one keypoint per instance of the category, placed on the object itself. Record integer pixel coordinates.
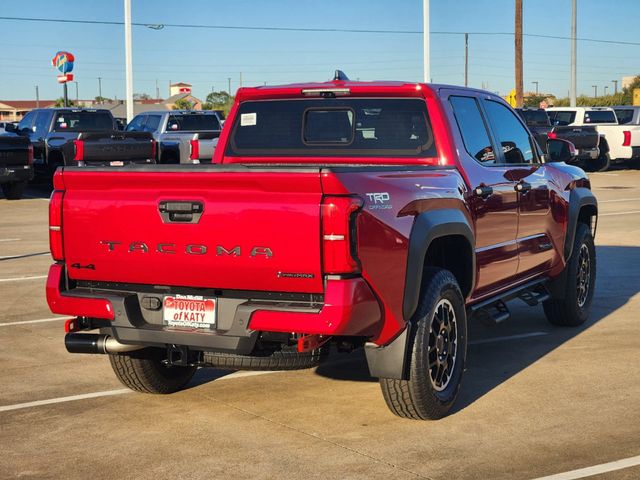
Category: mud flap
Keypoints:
(389, 361)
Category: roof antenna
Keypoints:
(341, 76)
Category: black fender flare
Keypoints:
(390, 361)
(578, 198)
(427, 227)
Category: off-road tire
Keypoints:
(13, 190)
(288, 358)
(149, 375)
(567, 311)
(417, 398)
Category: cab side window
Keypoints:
(472, 128)
(510, 134)
(27, 121)
(42, 123)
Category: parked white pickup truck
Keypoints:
(183, 136)
(622, 142)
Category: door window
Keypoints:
(42, 123)
(510, 134)
(473, 129)
(152, 123)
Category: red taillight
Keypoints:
(552, 135)
(55, 218)
(154, 149)
(339, 234)
(30, 155)
(195, 150)
(79, 150)
(627, 138)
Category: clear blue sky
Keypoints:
(206, 58)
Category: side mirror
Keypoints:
(559, 150)
(10, 127)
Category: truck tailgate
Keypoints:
(205, 227)
(581, 137)
(107, 147)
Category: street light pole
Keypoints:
(425, 41)
(128, 59)
(37, 97)
(536, 83)
(573, 86)
(615, 86)
(77, 98)
(229, 89)
(466, 59)
(100, 89)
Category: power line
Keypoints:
(157, 26)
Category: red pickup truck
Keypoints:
(379, 215)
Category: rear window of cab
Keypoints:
(346, 127)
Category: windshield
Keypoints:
(83, 121)
(192, 123)
(536, 118)
(600, 116)
(333, 127)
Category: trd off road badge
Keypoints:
(379, 201)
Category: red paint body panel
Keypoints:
(350, 308)
(76, 306)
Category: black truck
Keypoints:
(585, 139)
(66, 136)
(16, 165)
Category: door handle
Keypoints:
(179, 211)
(483, 191)
(522, 187)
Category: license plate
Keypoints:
(189, 311)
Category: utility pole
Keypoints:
(37, 97)
(100, 89)
(425, 41)
(519, 96)
(536, 83)
(595, 90)
(466, 59)
(128, 59)
(615, 87)
(157, 90)
(573, 87)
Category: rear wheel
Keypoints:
(437, 352)
(600, 164)
(13, 190)
(579, 283)
(149, 374)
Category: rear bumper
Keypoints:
(22, 173)
(349, 308)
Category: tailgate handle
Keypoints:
(178, 211)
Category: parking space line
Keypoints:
(72, 398)
(629, 212)
(595, 470)
(10, 239)
(26, 322)
(619, 200)
(18, 279)
(24, 255)
(507, 338)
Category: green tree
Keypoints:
(533, 101)
(183, 104)
(60, 103)
(219, 99)
(141, 96)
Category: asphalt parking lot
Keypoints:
(537, 400)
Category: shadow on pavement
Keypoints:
(491, 363)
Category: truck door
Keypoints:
(42, 125)
(493, 200)
(536, 228)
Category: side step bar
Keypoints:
(495, 310)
